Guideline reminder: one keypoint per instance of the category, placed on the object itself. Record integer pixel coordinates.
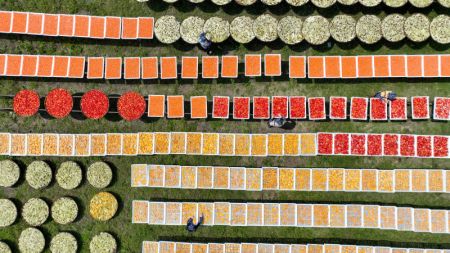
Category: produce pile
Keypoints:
(63, 210)
(103, 206)
(329, 3)
(103, 243)
(315, 29)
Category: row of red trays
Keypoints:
(295, 107)
(403, 145)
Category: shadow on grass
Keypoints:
(120, 204)
(115, 172)
(19, 206)
(23, 169)
(158, 5)
(81, 208)
(12, 245)
(77, 236)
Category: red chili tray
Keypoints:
(398, 109)
(341, 144)
(358, 144)
(221, 107)
(358, 108)
(297, 107)
(261, 107)
(338, 108)
(440, 146)
(325, 143)
(407, 145)
(374, 144)
(241, 108)
(420, 107)
(316, 107)
(280, 106)
(441, 108)
(378, 109)
(424, 146)
(391, 144)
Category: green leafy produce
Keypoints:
(10, 173)
(31, 240)
(35, 212)
(64, 210)
(8, 212)
(103, 243)
(64, 242)
(69, 175)
(38, 175)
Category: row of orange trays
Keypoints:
(290, 179)
(162, 143)
(96, 27)
(133, 67)
(175, 106)
(210, 66)
(143, 67)
(148, 67)
(172, 247)
(76, 144)
(42, 66)
(289, 214)
(369, 66)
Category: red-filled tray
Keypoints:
(378, 109)
(374, 144)
(316, 106)
(338, 108)
(280, 107)
(391, 144)
(341, 144)
(221, 107)
(325, 143)
(297, 107)
(358, 144)
(440, 146)
(261, 107)
(420, 107)
(358, 108)
(407, 145)
(424, 146)
(241, 108)
(441, 108)
(398, 109)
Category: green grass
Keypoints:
(130, 236)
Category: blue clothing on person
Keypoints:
(191, 227)
(204, 42)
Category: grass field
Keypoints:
(130, 235)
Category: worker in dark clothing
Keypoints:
(277, 122)
(386, 95)
(281, 122)
(205, 43)
(191, 227)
